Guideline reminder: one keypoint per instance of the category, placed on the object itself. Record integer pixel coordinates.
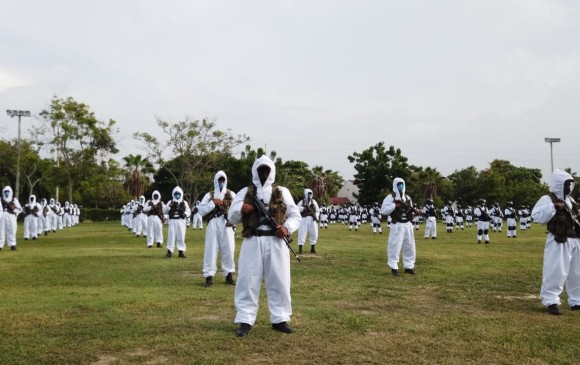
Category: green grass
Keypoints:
(94, 294)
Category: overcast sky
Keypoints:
(453, 83)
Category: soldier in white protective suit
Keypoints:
(10, 210)
(399, 207)
(154, 211)
(178, 212)
(197, 221)
(139, 218)
(43, 218)
(562, 251)
(53, 214)
(309, 211)
(32, 210)
(264, 253)
(219, 234)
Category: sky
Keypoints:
(452, 83)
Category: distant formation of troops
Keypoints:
(40, 218)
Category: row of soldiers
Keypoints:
(39, 217)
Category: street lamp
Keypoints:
(551, 141)
(19, 114)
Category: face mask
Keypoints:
(6, 194)
(400, 187)
(177, 196)
(221, 185)
(155, 197)
(571, 186)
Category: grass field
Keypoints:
(94, 294)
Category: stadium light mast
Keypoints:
(19, 114)
(551, 141)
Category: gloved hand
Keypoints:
(247, 208)
(281, 231)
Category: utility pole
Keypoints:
(19, 114)
(551, 141)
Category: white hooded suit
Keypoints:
(265, 256)
(219, 234)
(561, 260)
(401, 234)
(8, 218)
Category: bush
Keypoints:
(97, 215)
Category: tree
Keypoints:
(138, 170)
(71, 129)
(325, 183)
(428, 183)
(194, 145)
(376, 168)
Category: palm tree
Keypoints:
(138, 169)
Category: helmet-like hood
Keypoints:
(177, 189)
(142, 200)
(401, 195)
(217, 192)
(306, 192)
(559, 177)
(7, 193)
(155, 193)
(32, 199)
(264, 160)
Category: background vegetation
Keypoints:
(93, 294)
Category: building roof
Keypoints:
(339, 201)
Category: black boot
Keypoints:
(158, 244)
(208, 282)
(312, 249)
(300, 249)
(181, 254)
(283, 327)
(243, 330)
(230, 280)
(169, 254)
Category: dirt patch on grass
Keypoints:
(139, 356)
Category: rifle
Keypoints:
(272, 223)
(573, 216)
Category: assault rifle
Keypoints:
(272, 223)
(573, 216)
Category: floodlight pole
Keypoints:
(551, 141)
(19, 114)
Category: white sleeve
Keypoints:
(388, 205)
(544, 210)
(206, 205)
(235, 212)
(293, 217)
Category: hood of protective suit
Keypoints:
(217, 192)
(264, 160)
(396, 191)
(43, 202)
(557, 181)
(7, 189)
(66, 204)
(306, 192)
(142, 199)
(52, 201)
(155, 201)
(32, 199)
(177, 189)
(197, 203)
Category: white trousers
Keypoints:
(176, 235)
(154, 230)
(431, 227)
(30, 226)
(402, 236)
(267, 258)
(220, 238)
(7, 229)
(307, 227)
(561, 267)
